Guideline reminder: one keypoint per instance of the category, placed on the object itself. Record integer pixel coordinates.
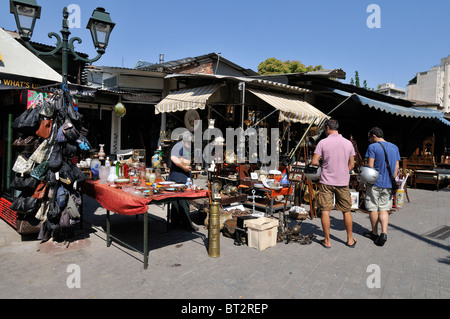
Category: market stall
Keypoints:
(238, 173)
(124, 199)
(46, 179)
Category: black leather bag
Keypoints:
(24, 183)
(25, 205)
(28, 122)
(71, 112)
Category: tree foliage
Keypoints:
(275, 66)
(356, 82)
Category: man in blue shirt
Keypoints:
(379, 196)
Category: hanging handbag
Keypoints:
(24, 183)
(71, 112)
(55, 160)
(20, 142)
(45, 128)
(42, 211)
(42, 153)
(27, 225)
(391, 174)
(53, 215)
(25, 205)
(72, 208)
(40, 172)
(27, 145)
(23, 165)
(48, 108)
(70, 132)
(64, 220)
(28, 121)
(62, 196)
(41, 190)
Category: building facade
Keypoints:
(390, 89)
(432, 86)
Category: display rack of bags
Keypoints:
(45, 172)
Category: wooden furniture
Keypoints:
(426, 177)
(423, 157)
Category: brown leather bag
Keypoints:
(41, 190)
(45, 129)
(28, 226)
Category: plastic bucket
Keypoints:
(400, 198)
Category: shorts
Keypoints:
(342, 198)
(378, 199)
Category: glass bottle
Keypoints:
(112, 174)
(189, 183)
(95, 164)
(101, 153)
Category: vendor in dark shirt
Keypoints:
(180, 159)
(180, 171)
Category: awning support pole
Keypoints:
(242, 87)
(341, 104)
(9, 152)
(292, 153)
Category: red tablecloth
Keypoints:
(119, 202)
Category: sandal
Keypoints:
(322, 242)
(351, 246)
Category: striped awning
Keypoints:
(292, 109)
(186, 99)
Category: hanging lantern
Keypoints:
(120, 109)
(230, 113)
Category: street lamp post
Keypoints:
(100, 24)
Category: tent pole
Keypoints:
(9, 152)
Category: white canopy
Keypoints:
(20, 68)
(292, 108)
(186, 99)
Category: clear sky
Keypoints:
(413, 35)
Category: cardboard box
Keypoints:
(262, 232)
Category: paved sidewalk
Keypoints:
(410, 265)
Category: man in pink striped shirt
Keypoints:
(337, 154)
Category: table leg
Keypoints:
(145, 240)
(271, 205)
(406, 192)
(169, 216)
(108, 226)
(81, 213)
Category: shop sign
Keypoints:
(11, 81)
(141, 98)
